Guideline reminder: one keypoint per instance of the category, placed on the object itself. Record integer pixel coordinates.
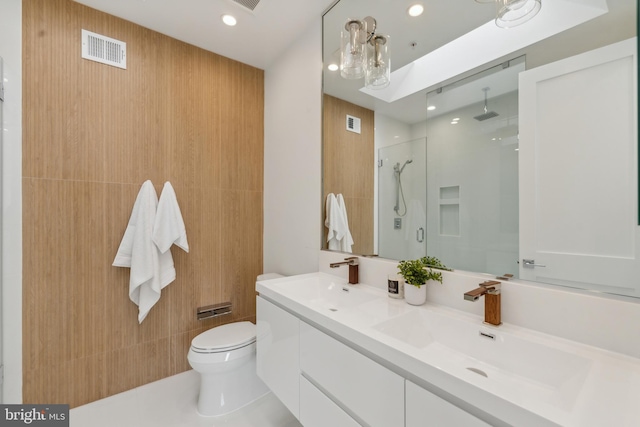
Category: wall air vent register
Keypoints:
(105, 50)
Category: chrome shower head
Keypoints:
(487, 114)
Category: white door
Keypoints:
(578, 171)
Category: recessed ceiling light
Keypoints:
(416, 10)
(454, 123)
(333, 67)
(431, 107)
(229, 20)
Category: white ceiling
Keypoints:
(258, 39)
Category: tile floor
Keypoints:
(171, 402)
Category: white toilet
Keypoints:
(225, 357)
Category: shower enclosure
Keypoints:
(472, 172)
(402, 200)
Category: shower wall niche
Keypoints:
(449, 217)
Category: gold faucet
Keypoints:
(353, 263)
(491, 291)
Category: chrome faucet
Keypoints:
(491, 291)
(353, 263)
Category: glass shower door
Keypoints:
(402, 198)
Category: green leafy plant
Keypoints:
(431, 261)
(416, 272)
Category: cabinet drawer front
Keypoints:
(370, 391)
(277, 348)
(317, 410)
(426, 409)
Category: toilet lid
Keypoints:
(226, 337)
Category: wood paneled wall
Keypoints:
(348, 166)
(92, 134)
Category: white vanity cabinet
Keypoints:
(424, 409)
(368, 391)
(324, 382)
(278, 354)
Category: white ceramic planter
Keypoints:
(415, 295)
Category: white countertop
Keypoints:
(531, 378)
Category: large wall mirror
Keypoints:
(499, 151)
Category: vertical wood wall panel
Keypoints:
(92, 134)
(348, 166)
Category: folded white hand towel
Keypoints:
(169, 226)
(167, 230)
(138, 252)
(347, 241)
(334, 222)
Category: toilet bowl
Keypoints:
(225, 357)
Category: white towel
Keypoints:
(338, 234)
(169, 226)
(334, 222)
(347, 241)
(138, 252)
(168, 229)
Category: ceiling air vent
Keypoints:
(353, 124)
(105, 50)
(249, 4)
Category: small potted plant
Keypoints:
(416, 274)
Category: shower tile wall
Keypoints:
(92, 134)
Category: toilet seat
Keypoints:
(225, 338)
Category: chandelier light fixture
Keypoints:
(511, 13)
(363, 53)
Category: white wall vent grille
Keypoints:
(105, 50)
(353, 124)
(249, 4)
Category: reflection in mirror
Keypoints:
(348, 156)
(402, 200)
(471, 223)
(472, 171)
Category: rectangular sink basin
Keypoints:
(514, 366)
(325, 291)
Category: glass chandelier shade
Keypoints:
(378, 63)
(363, 53)
(352, 50)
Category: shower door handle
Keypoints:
(420, 235)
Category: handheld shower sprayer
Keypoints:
(405, 164)
(397, 170)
